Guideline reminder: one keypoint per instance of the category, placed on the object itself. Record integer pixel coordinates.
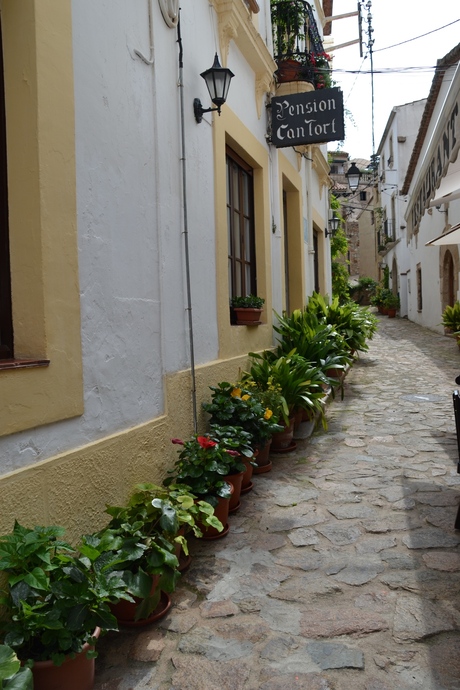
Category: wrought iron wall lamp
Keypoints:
(334, 223)
(217, 80)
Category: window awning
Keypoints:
(452, 236)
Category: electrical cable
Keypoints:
(388, 70)
(395, 45)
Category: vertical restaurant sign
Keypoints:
(307, 118)
(436, 166)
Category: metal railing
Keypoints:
(295, 32)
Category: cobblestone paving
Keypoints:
(341, 570)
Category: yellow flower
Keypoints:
(236, 393)
(245, 397)
(268, 414)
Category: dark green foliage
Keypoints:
(250, 301)
(354, 324)
(12, 675)
(298, 380)
(204, 461)
(55, 597)
(236, 405)
(451, 317)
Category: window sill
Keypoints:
(8, 364)
(248, 323)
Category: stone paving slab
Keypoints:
(341, 570)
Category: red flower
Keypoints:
(233, 452)
(177, 441)
(206, 442)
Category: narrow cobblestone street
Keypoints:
(341, 570)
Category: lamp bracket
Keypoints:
(198, 110)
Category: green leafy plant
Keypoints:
(386, 277)
(299, 382)
(363, 290)
(317, 342)
(339, 266)
(384, 295)
(141, 539)
(392, 301)
(355, 324)
(289, 27)
(321, 63)
(12, 675)
(451, 317)
(243, 407)
(248, 302)
(204, 461)
(55, 597)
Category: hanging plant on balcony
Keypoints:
(289, 25)
(322, 68)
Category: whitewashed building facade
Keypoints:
(118, 228)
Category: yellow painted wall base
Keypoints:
(72, 489)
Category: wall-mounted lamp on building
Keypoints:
(353, 176)
(217, 80)
(334, 223)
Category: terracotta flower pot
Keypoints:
(246, 484)
(391, 312)
(335, 373)
(236, 480)
(298, 418)
(292, 70)
(73, 674)
(307, 415)
(247, 316)
(125, 611)
(221, 512)
(263, 459)
(283, 439)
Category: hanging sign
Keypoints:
(307, 118)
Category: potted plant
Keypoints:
(451, 319)
(202, 464)
(392, 304)
(322, 70)
(364, 290)
(271, 400)
(180, 510)
(353, 323)
(13, 676)
(299, 384)
(249, 407)
(313, 339)
(238, 442)
(289, 25)
(140, 542)
(247, 310)
(57, 603)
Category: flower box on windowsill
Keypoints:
(247, 316)
(246, 310)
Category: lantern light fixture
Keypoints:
(217, 80)
(353, 176)
(334, 223)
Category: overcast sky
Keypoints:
(407, 68)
